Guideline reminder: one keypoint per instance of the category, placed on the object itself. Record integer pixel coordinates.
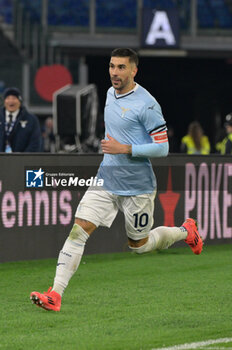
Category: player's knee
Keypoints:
(138, 246)
(78, 234)
(86, 225)
(75, 232)
(139, 250)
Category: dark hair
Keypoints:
(195, 130)
(121, 52)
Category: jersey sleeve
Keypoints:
(152, 118)
(155, 125)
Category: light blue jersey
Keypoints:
(130, 119)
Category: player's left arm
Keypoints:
(159, 146)
(152, 119)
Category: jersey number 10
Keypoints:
(141, 220)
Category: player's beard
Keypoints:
(120, 85)
(117, 83)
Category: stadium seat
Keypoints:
(121, 14)
(159, 3)
(223, 16)
(6, 10)
(204, 15)
(116, 14)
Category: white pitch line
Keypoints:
(196, 345)
(215, 348)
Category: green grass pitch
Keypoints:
(121, 301)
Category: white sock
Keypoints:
(147, 247)
(166, 236)
(69, 258)
(161, 237)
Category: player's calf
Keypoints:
(143, 245)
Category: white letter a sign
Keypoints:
(160, 29)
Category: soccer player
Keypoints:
(135, 131)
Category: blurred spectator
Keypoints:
(48, 136)
(19, 130)
(195, 142)
(219, 132)
(173, 141)
(2, 86)
(225, 147)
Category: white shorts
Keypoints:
(101, 207)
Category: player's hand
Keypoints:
(112, 146)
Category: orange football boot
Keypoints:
(193, 239)
(47, 300)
